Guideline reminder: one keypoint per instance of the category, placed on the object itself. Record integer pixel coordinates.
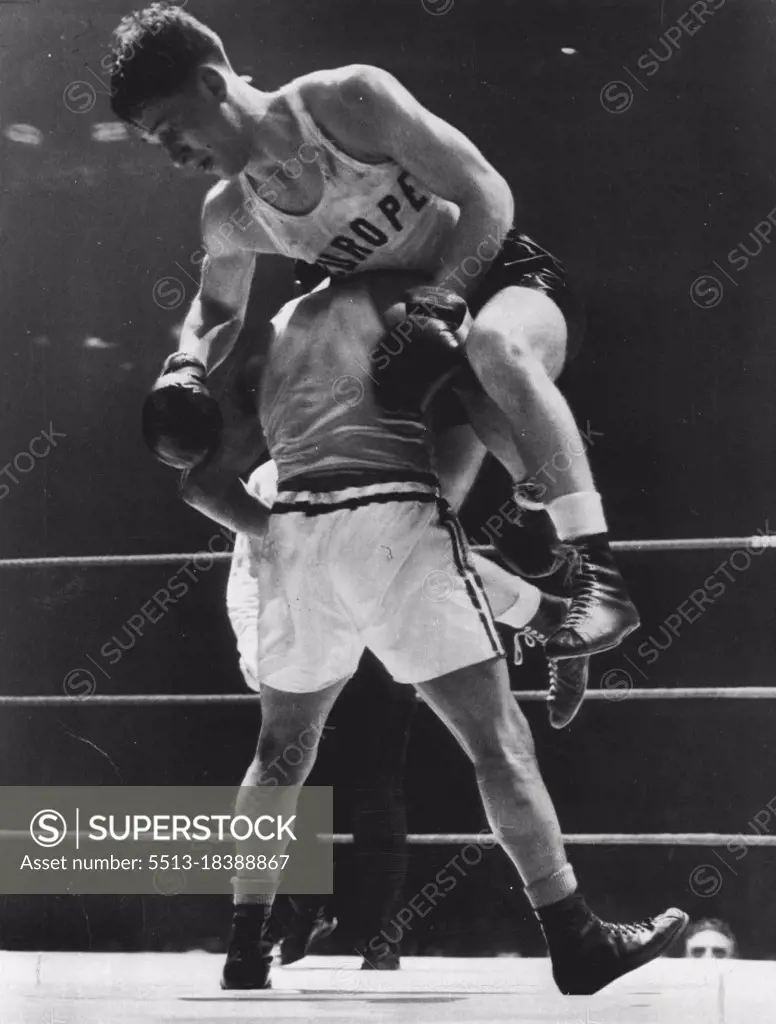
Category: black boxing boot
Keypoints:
(527, 541)
(529, 545)
(587, 954)
(249, 954)
(601, 613)
(568, 678)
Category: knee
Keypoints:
(522, 354)
(493, 352)
(289, 755)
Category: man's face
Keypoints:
(198, 128)
(709, 945)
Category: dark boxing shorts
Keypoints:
(521, 262)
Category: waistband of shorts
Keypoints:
(322, 493)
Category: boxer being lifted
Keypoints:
(346, 170)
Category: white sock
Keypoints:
(265, 899)
(523, 610)
(547, 891)
(577, 515)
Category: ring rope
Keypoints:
(615, 695)
(570, 839)
(587, 839)
(764, 542)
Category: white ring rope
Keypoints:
(765, 542)
(615, 695)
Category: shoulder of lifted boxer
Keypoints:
(351, 83)
(341, 99)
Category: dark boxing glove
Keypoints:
(181, 420)
(422, 352)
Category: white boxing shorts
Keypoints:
(384, 566)
(242, 589)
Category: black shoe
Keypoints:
(601, 614)
(528, 544)
(568, 677)
(588, 958)
(568, 685)
(304, 931)
(249, 955)
(385, 959)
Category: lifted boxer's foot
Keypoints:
(304, 931)
(249, 955)
(601, 614)
(568, 685)
(588, 954)
(528, 544)
(568, 677)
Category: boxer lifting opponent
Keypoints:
(357, 528)
(214, 487)
(346, 170)
(383, 708)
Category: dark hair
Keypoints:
(711, 924)
(155, 51)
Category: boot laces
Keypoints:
(530, 637)
(633, 930)
(585, 587)
(552, 669)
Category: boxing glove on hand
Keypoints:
(423, 350)
(181, 420)
(434, 303)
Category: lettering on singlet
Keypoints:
(367, 236)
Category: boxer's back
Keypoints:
(318, 407)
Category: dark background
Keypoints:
(639, 203)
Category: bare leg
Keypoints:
(586, 953)
(517, 347)
(476, 705)
(289, 721)
(291, 728)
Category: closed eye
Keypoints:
(160, 134)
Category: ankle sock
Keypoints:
(577, 515)
(553, 889)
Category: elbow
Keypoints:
(492, 196)
(199, 493)
(191, 492)
(502, 200)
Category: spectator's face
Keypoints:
(709, 945)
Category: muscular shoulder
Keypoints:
(346, 100)
(352, 86)
(223, 213)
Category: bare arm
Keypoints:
(215, 488)
(227, 503)
(458, 458)
(217, 313)
(375, 117)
